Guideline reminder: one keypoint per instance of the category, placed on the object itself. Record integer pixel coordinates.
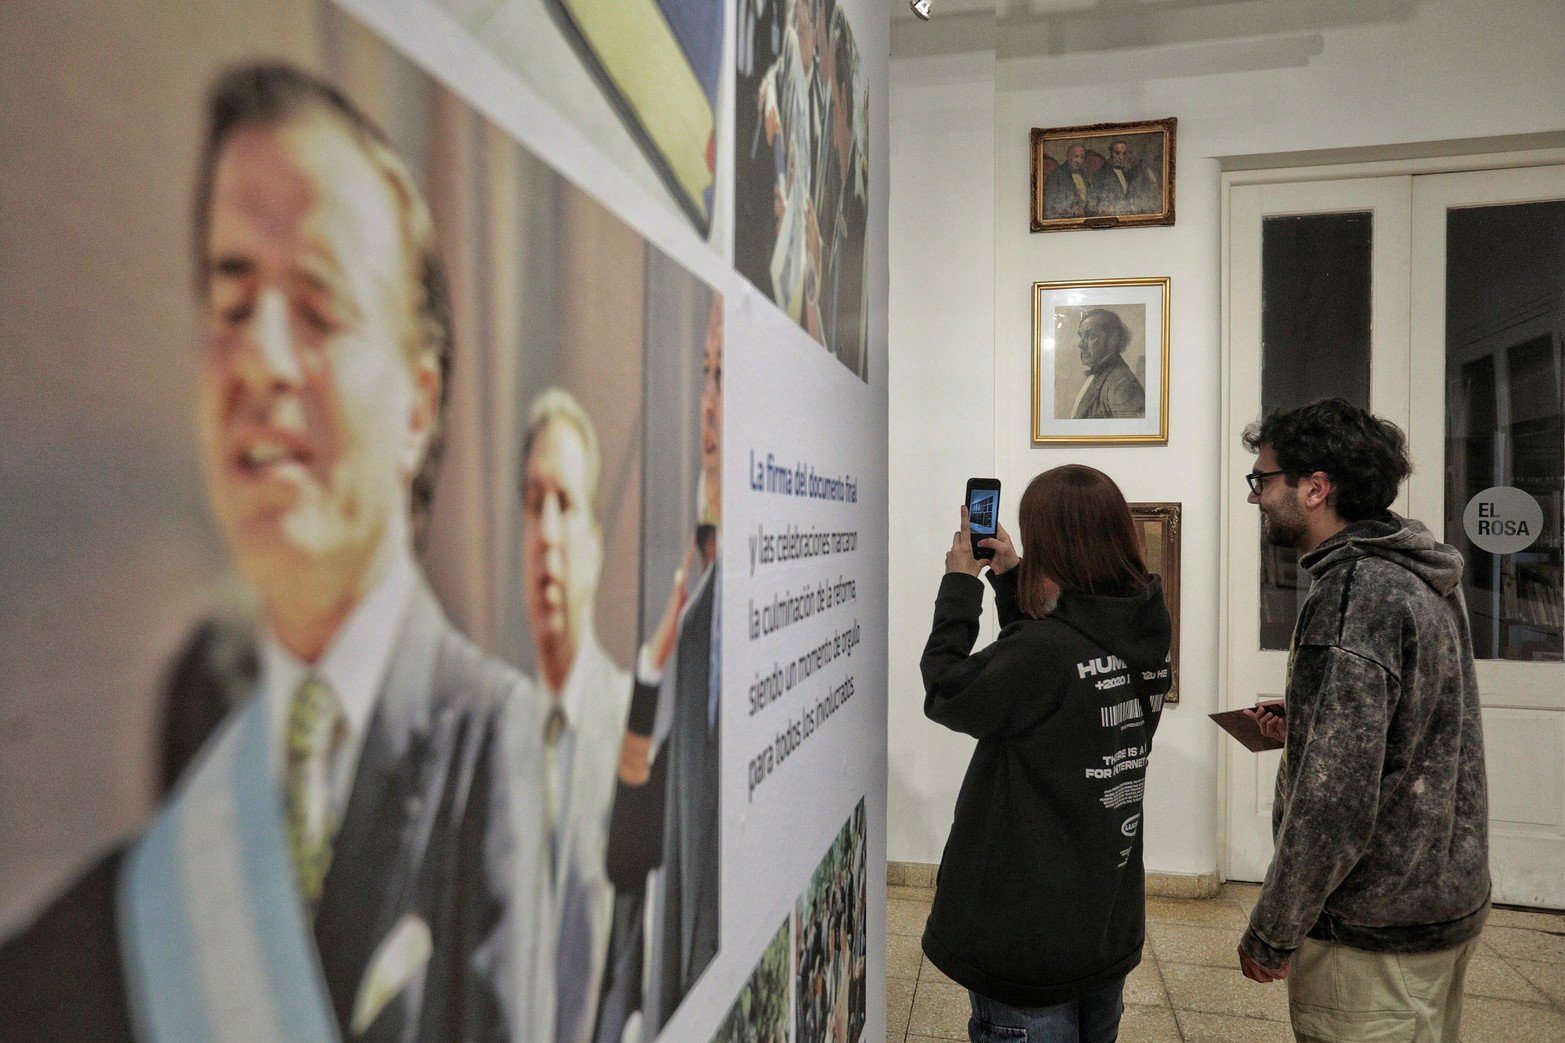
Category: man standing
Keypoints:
(1065, 189)
(1125, 185)
(665, 816)
(791, 105)
(340, 860)
(1379, 884)
(585, 694)
(1111, 390)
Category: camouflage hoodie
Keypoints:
(1381, 818)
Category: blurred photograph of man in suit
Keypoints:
(583, 694)
(390, 785)
(663, 844)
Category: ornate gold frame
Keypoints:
(1161, 521)
(1158, 437)
(1166, 128)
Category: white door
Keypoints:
(1488, 314)
(1439, 302)
(1318, 284)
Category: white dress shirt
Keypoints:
(354, 666)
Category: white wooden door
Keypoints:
(1488, 325)
(1466, 342)
(1255, 667)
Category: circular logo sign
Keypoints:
(1503, 520)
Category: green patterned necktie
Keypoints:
(552, 729)
(315, 728)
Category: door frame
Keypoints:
(1298, 167)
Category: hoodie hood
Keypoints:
(1401, 540)
(1135, 628)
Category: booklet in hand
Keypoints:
(1244, 728)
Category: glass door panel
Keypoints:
(1315, 335)
(1505, 323)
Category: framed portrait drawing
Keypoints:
(1105, 175)
(1100, 362)
(1158, 526)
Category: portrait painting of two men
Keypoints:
(1107, 175)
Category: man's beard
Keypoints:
(1282, 531)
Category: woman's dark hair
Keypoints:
(1077, 531)
(1365, 456)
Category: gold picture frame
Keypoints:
(1158, 526)
(1103, 175)
(1100, 362)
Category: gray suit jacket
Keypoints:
(685, 919)
(583, 905)
(438, 827)
(442, 829)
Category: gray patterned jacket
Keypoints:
(1381, 818)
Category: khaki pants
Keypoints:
(1338, 994)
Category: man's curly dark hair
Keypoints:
(1364, 455)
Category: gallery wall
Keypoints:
(1242, 79)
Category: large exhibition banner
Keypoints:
(441, 596)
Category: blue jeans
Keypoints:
(1093, 1018)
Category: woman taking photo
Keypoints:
(1039, 907)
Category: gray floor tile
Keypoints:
(1214, 990)
(1197, 1027)
(940, 1010)
(1486, 1020)
(905, 917)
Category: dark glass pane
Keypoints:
(1315, 327)
(1505, 323)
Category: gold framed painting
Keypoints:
(1104, 175)
(1100, 362)
(1158, 526)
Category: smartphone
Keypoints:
(983, 512)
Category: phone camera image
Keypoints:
(983, 513)
(981, 510)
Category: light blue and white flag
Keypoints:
(212, 930)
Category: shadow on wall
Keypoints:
(918, 820)
(1238, 35)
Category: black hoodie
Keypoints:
(1039, 899)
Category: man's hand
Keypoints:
(635, 759)
(960, 557)
(1270, 719)
(661, 645)
(1255, 972)
(1005, 557)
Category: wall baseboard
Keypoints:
(1159, 885)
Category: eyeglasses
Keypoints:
(1258, 479)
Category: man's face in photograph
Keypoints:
(312, 417)
(562, 548)
(1096, 339)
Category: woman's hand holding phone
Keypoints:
(1005, 557)
(960, 557)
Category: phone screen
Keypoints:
(983, 512)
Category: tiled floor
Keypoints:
(1188, 986)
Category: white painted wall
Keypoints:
(941, 374)
(1254, 77)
